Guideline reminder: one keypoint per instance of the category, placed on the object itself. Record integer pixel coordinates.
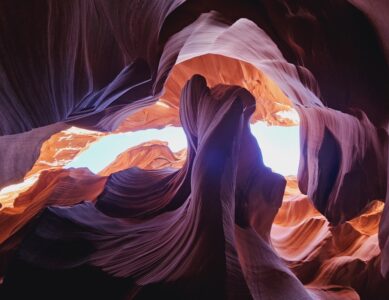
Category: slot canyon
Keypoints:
(211, 220)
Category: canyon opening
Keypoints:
(194, 149)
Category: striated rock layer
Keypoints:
(168, 208)
(202, 230)
(343, 257)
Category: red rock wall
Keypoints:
(104, 65)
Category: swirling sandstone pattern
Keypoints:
(201, 227)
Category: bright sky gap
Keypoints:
(279, 145)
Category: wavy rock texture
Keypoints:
(55, 187)
(55, 153)
(216, 69)
(345, 257)
(64, 187)
(193, 231)
(62, 148)
(165, 206)
(151, 155)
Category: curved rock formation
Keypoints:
(121, 66)
(171, 208)
(151, 155)
(343, 257)
(63, 147)
(55, 153)
(65, 187)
